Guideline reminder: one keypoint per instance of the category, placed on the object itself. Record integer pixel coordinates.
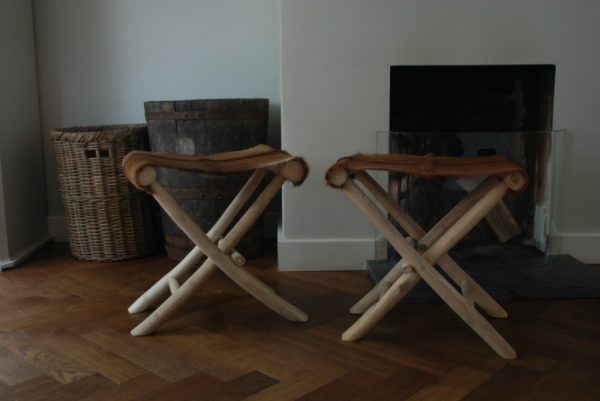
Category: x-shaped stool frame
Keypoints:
(140, 169)
(422, 250)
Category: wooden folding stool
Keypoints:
(139, 168)
(422, 250)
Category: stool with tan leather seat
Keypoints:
(422, 250)
(140, 169)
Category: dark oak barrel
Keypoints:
(204, 127)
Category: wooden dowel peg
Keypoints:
(237, 257)
(173, 284)
(467, 292)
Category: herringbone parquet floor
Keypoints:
(64, 335)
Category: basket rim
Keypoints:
(95, 132)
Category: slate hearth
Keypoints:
(513, 272)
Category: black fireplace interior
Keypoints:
(497, 98)
(470, 111)
(483, 110)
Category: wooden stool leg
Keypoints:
(375, 294)
(248, 282)
(450, 267)
(480, 296)
(446, 291)
(380, 288)
(375, 313)
(458, 211)
(161, 287)
(216, 256)
(412, 228)
(175, 301)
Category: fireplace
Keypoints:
(471, 111)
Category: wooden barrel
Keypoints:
(204, 127)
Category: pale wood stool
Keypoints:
(422, 250)
(220, 253)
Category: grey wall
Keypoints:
(22, 183)
(336, 56)
(99, 60)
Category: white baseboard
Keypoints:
(324, 254)
(57, 227)
(352, 254)
(583, 247)
(24, 253)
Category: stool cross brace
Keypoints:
(430, 248)
(220, 253)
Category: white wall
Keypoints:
(99, 60)
(336, 56)
(23, 214)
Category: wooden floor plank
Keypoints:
(188, 347)
(205, 387)
(561, 383)
(343, 352)
(452, 386)
(32, 390)
(293, 389)
(47, 390)
(344, 282)
(403, 353)
(14, 369)
(506, 384)
(146, 354)
(239, 388)
(404, 383)
(63, 369)
(345, 387)
(81, 317)
(278, 348)
(33, 310)
(94, 357)
(130, 389)
(190, 388)
(589, 391)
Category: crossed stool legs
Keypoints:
(220, 254)
(422, 250)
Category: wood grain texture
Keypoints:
(225, 346)
(216, 257)
(14, 369)
(260, 156)
(422, 264)
(427, 166)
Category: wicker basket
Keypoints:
(107, 218)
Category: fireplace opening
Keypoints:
(475, 111)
